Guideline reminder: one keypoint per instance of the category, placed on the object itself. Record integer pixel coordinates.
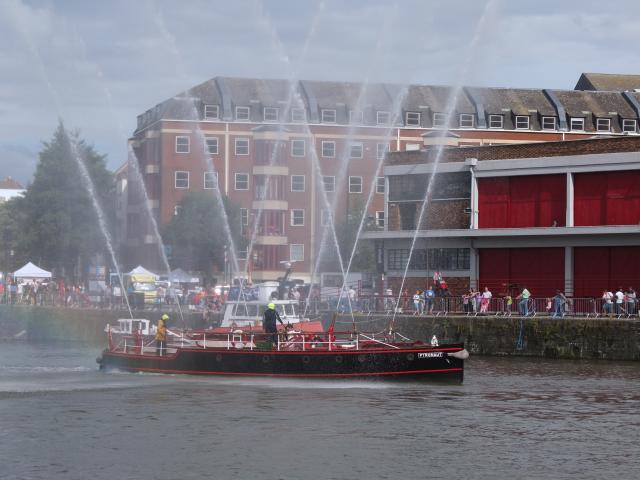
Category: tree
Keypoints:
(197, 234)
(11, 222)
(60, 228)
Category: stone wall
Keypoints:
(537, 337)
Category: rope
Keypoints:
(520, 342)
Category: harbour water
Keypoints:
(512, 418)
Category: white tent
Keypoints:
(140, 270)
(31, 271)
(180, 276)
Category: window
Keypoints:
(466, 120)
(328, 148)
(176, 209)
(297, 217)
(296, 252)
(379, 184)
(522, 122)
(244, 216)
(577, 124)
(297, 183)
(355, 184)
(355, 150)
(496, 121)
(439, 120)
(383, 118)
(241, 254)
(271, 114)
(397, 258)
(243, 113)
(298, 148)
(182, 179)
(329, 184)
(603, 124)
(211, 112)
(212, 145)
(210, 180)
(182, 144)
(242, 146)
(548, 123)
(412, 119)
(628, 125)
(356, 116)
(328, 116)
(325, 217)
(380, 218)
(448, 258)
(298, 115)
(381, 149)
(242, 181)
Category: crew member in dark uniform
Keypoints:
(269, 323)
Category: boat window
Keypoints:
(252, 310)
(289, 310)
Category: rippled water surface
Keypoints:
(60, 418)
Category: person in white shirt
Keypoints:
(607, 305)
(416, 303)
(631, 301)
(484, 302)
(619, 300)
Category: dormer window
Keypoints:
(270, 114)
(629, 125)
(356, 116)
(466, 120)
(439, 120)
(496, 121)
(548, 123)
(328, 115)
(383, 118)
(211, 112)
(412, 119)
(603, 124)
(298, 115)
(522, 122)
(577, 124)
(243, 113)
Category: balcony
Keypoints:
(271, 240)
(270, 205)
(270, 170)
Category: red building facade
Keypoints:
(292, 156)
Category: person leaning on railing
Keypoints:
(524, 301)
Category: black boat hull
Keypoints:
(414, 363)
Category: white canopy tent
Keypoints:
(180, 276)
(140, 270)
(31, 271)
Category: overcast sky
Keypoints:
(98, 64)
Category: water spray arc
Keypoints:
(451, 105)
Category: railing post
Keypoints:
(228, 341)
(251, 342)
(204, 340)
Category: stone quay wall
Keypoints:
(570, 338)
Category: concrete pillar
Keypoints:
(568, 271)
(474, 200)
(474, 268)
(569, 217)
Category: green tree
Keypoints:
(11, 255)
(60, 228)
(197, 234)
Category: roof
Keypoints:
(608, 81)
(10, 184)
(31, 271)
(519, 150)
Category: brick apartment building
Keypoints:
(546, 215)
(221, 135)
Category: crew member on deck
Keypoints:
(269, 322)
(161, 335)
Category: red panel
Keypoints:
(494, 269)
(523, 201)
(541, 270)
(590, 271)
(607, 198)
(625, 267)
(493, 202)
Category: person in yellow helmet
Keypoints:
(269, 322)
(161, 335)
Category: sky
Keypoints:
(96, 65)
